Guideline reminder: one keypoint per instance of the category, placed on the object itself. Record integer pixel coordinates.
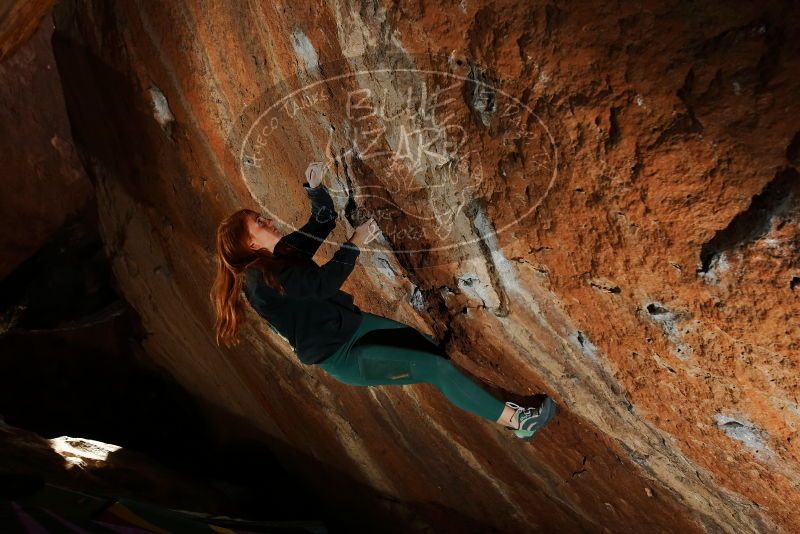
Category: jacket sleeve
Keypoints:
(320, 224)
(312, 280)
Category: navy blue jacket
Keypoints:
(315, 316)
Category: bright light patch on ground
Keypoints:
(77, 450)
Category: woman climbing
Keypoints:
(303, 302)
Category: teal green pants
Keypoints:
(383, 352)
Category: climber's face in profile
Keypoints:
(262, 232)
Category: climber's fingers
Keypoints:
(314, 173)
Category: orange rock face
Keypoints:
(606, 210)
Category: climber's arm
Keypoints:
(319, 225)
(311, 280)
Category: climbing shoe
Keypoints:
(531, 420)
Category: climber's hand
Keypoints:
(365, 232)
(314, 173)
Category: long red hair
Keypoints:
(233, 257)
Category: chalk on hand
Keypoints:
(314, 173)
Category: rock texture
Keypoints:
(100, 468)
(652, 292)
(44, 183)
(19, 19)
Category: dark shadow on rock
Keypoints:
(345, 504)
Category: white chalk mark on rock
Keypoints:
(741, 430)
(305, 51)
(161, 111)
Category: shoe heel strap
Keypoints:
(517, 410)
